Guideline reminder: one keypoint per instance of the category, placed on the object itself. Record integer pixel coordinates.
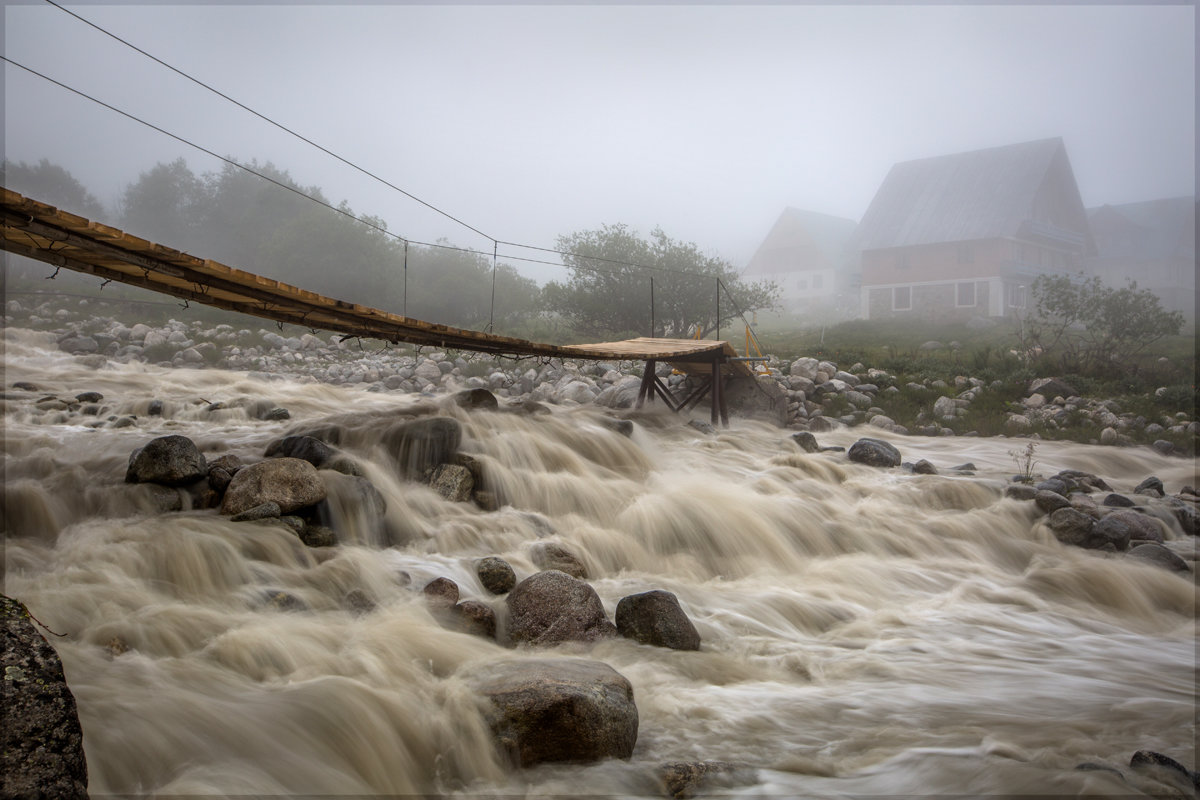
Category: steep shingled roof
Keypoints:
(980, 194)
(803, 240)
(1163, 228)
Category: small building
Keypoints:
(1152, 243)
(964, 235)
(809, 256)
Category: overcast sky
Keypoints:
(532, 121)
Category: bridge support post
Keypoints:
(646, 390)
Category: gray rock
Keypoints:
(475, 399)
(1071, 526)
(42, 742)
(655, 618)
(169, 460)
(453, 482)
(552, 607)
(1020, 491)
(441, 593)
(496, 575)
(806, 441)
(89, 397)
(558, 710)
(291, 483)
(548, 555)
(1113, 530)
(1141, 526)
(1157, 554)
(923, 467)
(423, 444)
(874, 452)
(1051, 387)
(1049, 501)
(683, 779)
(267, 510)
(79, 345)
(1118, 501)
(305, 448)
(318, 536)
(1150, 486)
(475, 618)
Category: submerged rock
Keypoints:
(559, 710)
(453, 482)
(420, 445)
(169, 460)
(41, 755)
(552, 607)
(305, 448)
(656, 618)
(1157, 554)
(548, 555)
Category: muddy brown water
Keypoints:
(865, 631)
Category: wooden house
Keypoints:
(964, 235)
(809, 256)
(1152, 243)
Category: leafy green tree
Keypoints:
(167, 204)
(606, 297)
(50, 183)
(454, 287)
(1090, 327)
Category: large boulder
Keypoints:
(656, 618)
(559, 710)
(169, 460)
(476, 399)
(42, 752)
(875, 452)
(1159, 555)
(1051, 387)
(552, 607)
(420, 445)
(1141, 526)
(291, 483)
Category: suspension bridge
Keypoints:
(63, 240)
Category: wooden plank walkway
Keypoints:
(42, 232)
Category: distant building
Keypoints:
(808, 255)
(964, 235)
(1153, 243)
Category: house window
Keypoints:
(966, 254)
(801, 283)
(1016, 296)
(902, 298)
(965, 294)
(817, 281)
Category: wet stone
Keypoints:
(475, 618)
(318, 536)
(266, 510)
(805, 441)
(453, 482)
(1159, 555)
(874, 452)
(496, 575)
(923, 467)
(655, 618)
(1020, 491)
(441, 593)
(1049, 502)
(548, 555)
(1151, 486)
(1118, 501)
(89, 397)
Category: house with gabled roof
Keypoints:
(1151, 243)
(964, 235)
(810, 257)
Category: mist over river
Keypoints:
(864, 631)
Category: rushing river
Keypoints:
(864, 631)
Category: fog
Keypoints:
(528, 122)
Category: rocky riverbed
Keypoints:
(804, 393)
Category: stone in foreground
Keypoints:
(552, 607)
(170, 460)
(874, 452)
(42, 742)
(559, 710)
(291, 483)
(656, 618)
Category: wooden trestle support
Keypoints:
(711, 385)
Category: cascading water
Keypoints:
(864, 631)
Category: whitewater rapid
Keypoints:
(864, 631)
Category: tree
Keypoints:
(50, 183)
(606, 296)
(166, 204)
(1090, 327)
